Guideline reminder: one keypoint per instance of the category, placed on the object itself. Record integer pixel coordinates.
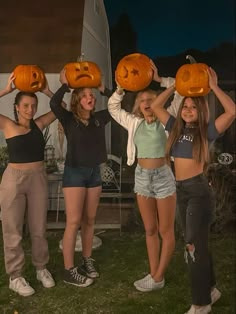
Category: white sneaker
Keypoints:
(137, 282)
(201, 310)
(215, 295)
(21, 286)
(45, 277)
(149, 285)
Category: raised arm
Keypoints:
(121, 116)
(224, 121)
(157, 105)
(167, 82)
(44, 120)
(56, 102)
(104, 91)
(5, 121)
(9, 87)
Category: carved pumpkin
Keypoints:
(192, 79)
(83, 74)
(29, 78)
(134, 72)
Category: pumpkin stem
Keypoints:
(191, 59)
(81, 57)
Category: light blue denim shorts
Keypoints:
(156, 183)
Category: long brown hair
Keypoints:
(200, 142)
(75, 105)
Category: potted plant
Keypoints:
(4, 158)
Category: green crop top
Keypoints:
(150, 140)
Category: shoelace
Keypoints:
(21, 281)
(45, 273)
(89, 264)
(77, 276)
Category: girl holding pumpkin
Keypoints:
(24, 182)
(82, 185)
(154, 180)
(190, 134)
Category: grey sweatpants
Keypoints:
(21, 190)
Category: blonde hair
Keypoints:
(75, 105)
(136, 109)
(200, 142)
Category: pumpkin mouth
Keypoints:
(84, 76)
(35, 84)
(194, 90)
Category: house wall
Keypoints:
(96, 47)
(51, 34)
(47, 33)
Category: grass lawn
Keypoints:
(122, 260)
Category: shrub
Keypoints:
(222, 180)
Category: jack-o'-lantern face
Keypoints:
(29, 78)
(83, 74)
(192, 80)
(134, 72)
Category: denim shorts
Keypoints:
(81, 177)
(156, 183)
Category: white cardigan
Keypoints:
(130, 122)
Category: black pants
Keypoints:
(195, 205)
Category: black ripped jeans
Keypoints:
(195, 206)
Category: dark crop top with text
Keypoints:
(27, 147)
(183, 147)
(86, 145)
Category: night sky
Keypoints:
(167, 28)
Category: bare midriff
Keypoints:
(187, 168)
(27, 165)
(151, 163)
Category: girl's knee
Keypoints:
(88, 221)
(189, 253)
(150, 232)
(167, 233)
(72, 224)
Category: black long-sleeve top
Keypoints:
(86, 146)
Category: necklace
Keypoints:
(191, 126)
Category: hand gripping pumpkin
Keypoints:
(192, 79)
(29, 78)
(134, 72)
(83, 74)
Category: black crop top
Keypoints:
(27, 147)
(86, 145)
(184, 145)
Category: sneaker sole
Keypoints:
(147, 290)
(23, 294)
(208, 311)
(47, 286)
(84, 285)
(92, 277)
(83, 272)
